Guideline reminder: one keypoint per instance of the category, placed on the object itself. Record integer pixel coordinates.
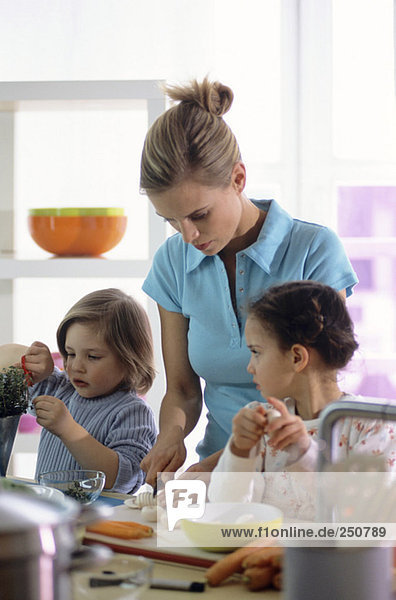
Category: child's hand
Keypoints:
(38, 361)
(287, 430)
(53, 415)
(248, 426)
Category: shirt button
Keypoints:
(241, 272)
(241, 290)
(234, 325)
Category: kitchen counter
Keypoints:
(177, 567)
(233, 589)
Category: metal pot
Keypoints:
(355, 573)
(8, 429)
(38, 545)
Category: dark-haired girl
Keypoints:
(299, 334)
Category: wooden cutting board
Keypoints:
(149, 546)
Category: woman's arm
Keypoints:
(182, 403)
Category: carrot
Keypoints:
(146, 528)
(232, 563)
(121, 529)
(262, 558)
(258, 578)
(277, 561)
(277, 581)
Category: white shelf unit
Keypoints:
(11, 267)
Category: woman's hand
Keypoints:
(182, 403)
(38, 361)
(167, 455)
(288, 431)
(206, 465)
(53, 415)
(248, 426)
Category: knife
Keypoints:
(159, 584)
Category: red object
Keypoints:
(181, 559)
(28, 374)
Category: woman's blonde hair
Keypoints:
(190, 140)
(124, 326)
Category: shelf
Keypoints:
(16, 91)
(11, 268)
(18, 96)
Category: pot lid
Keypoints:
(23, 511)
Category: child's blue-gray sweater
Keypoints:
(121, 421)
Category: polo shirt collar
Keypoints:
(270, 246)
(194, 258)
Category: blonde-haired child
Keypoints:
(91, 414)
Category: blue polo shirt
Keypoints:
(182, 279)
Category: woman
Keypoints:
(227, 250)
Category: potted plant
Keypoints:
(14, 400)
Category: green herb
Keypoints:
(77, 492)
(13, 392)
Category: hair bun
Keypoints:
(214, 97)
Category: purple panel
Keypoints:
(364, 271)
(378, 386)
(357, 206)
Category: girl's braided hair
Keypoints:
(311, 314)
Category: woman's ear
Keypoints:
(299, 357)
(238, 177)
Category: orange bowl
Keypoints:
(77, 231)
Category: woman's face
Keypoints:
(271, 367)
(208, 218)
(92, 367)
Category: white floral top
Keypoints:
(277, 477)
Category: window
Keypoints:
(348, 156)
(367, 222)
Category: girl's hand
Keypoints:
(38, 361)
(53, 415)
(287, 430)
(248, 426)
